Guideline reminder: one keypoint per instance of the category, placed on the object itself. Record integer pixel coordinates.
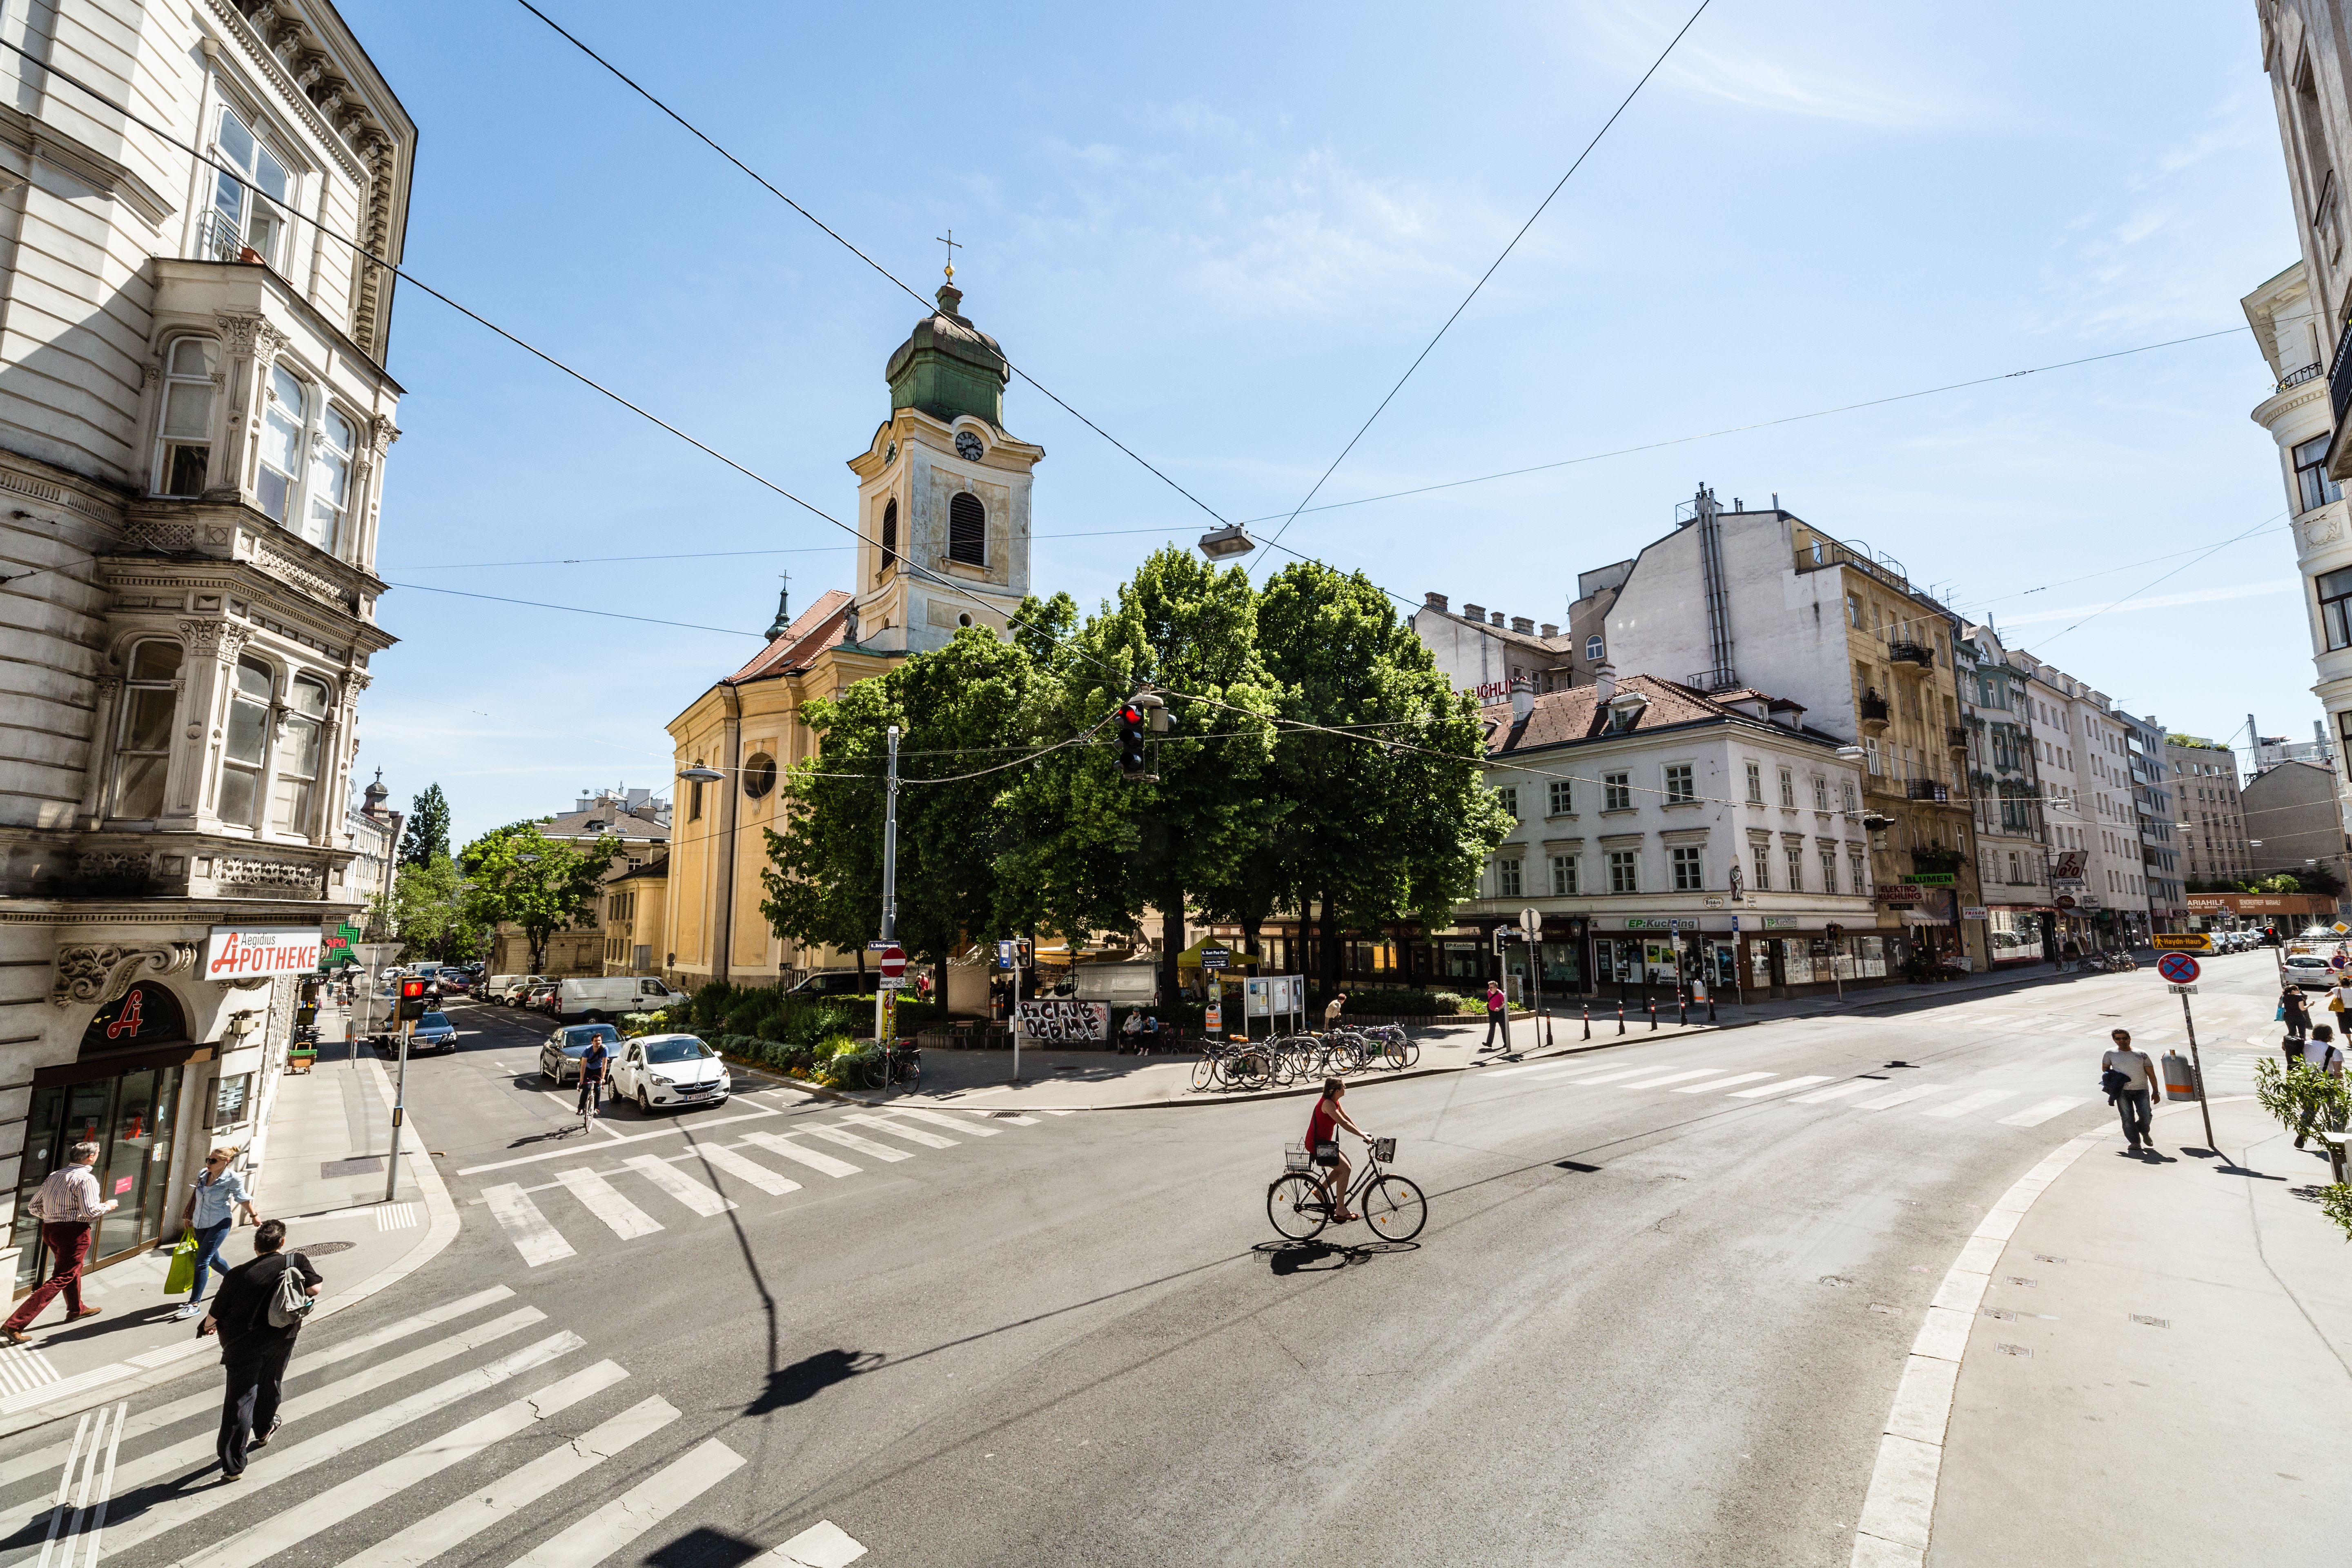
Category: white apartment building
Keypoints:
(2096, 876)
(2005, 793)
(2212, 816)
(2306, 48)
(195, 417)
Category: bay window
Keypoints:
(142, 743)
(331, 481)
(298, 749)
(281, 443)
(183, 447)
(2335, 591)
(247, 746)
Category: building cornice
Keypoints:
(2272, 410)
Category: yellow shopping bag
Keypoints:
(181, 1277)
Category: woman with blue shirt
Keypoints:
(211, 1208)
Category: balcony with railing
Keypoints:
(1927, 789)
(1874, 710)
(2294, 378)
(1917, 654)
(218, 239)
(1955, 737)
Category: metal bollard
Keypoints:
(1547, 1023)
(1710, 1007)
(1683, 1020)
(1587, 1020)
(1621, 1015)
(1653, 1015)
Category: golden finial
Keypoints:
(949, 239)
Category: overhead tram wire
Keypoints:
(770, 186)
(1426, 349)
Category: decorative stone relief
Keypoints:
(114, 863)
(382, 434)
(2322, 531)
(252, 873)
(237, 331)
(285, 569)
(97, 976)
(154, 535)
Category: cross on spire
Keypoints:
(949, 239)
(783, 621)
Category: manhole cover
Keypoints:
(365, 1165)
(2014, 1349)
(321, 1248)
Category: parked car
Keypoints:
(511, 989)
(2309, 970)
(559, 1059)
(834, 982)
(494, 989)
(600, 998)
(455, 983)
(669, 1071)
(434, 1032)
(540, 995)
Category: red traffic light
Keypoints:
(1130, 715)
(412, 990)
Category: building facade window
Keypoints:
(1624, 871)
(1689, 865)
(1829, 870)
(1821, 792)
(241, 219)
(1507, 879)
(1595, 649)
(1563, 798)
(890, 533)
(1857, 869)
(1755, 784)
(1845, 793)
(285, 404)
(1563, 875)
(298, 748)
(2335, 588)
(1680, 791)
(1788, 788)
(967, 529)
(1616, 792)
(184, 444)
(2313, 487)
(1759, 858)
(143, 746)
(331, 481)
(245, 746)
(1508, 795)
(1796, 854)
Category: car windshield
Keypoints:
(684, 1048)
(578, 1040)
(434, 1021)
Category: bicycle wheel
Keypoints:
(1205, 1072)
(1296, 1205)
(1394, 1208)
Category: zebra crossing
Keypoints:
(127, 1481)
(627, 1198)
(1943, 1100)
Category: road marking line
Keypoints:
(1782, 1087)
(1969, 1102)
(912, 1134)
(2035, 1115)
(851, 1140)
(1903, 1096)
(970, 1129)
(679, 1184)
(1536, 1066)
(1675, 1078)
(825, 1164)
(65, 1487)
(600, 1198)
(1839, 1090)
(700, 1125)
(1720, 1083)
(637, 1510)
(291, 1527)
(462, 1521)
(775, 1183)
(1613, 1077)
(305, 1458)
(538, 1241)
(823, 1545)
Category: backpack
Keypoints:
(290, 1299)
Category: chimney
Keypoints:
(1523, 700)
(1435, 602)
(1495, 619)
(1473, 612)
(1604, 683)
(1523, 625)
(1549, 630)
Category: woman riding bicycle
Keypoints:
(1323, 1144)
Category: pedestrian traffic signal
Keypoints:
(1130, 741)
(412, 997)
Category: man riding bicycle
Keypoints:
(593, 1063)
(1323, 1144)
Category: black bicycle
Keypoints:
(1392, 1204)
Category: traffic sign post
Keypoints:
(2180, 972)
(1531, 930)
(2178, 968)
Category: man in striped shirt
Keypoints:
(66, 1205)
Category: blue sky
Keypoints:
(1222, 231)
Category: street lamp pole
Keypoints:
(889, 872)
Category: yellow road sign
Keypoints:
(2181, 942)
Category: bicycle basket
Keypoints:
(1384, 1149)
(1296, 1158)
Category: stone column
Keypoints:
(100, 763)
(250, 345)
(367, 488)
(206, 678)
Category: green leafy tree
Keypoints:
(427, 833)
(517, 874)
(430, 912)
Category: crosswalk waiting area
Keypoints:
(131, 1479)
(681, 1186)
(2018, 1108)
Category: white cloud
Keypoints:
(2156, 602)
(1713, 62)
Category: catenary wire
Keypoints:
(1429, 347)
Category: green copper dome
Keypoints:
(948, 367)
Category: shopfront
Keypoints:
(1816, 958)
(122, 1093)
(2019, 933)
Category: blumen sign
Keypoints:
(256, 952)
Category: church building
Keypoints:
(943, 525)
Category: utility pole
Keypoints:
(2197, 1068)
(890, 871)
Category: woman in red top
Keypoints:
(1323, 1144)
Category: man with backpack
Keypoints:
(259, 1310)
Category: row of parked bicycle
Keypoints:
(1284, 1060)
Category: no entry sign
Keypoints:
(894, 962)
(2178, 968)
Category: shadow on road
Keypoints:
(706, 1548)
(1287, 1257)
(810, 1376)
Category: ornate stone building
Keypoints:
(194, 422)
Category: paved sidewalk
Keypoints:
(2160, 1365)
(324, 1126)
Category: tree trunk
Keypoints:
(1172, 943)
(1331, 965)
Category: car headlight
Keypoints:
(659, 1079)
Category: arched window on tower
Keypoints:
(889, 536)
(968, 530)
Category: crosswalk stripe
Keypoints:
(462, 1521)
(1533, 1067)
(1780, 1088)
(774, 1183)
(1839, 1090)
(1675, 1078)
(538, 1241)
(1969, 1102)
(305, 1457)
(289, 1527)
(2035, 1115)
(825, 1164)
(1614, 1077)
(604, 1201)
(848, 1140)
(679, 1184)
(897, 1130)
(1903, 1096)
(971, 1125)
(1721, 1083)
(637, 1510)
(175, 1458)
(823, 1545)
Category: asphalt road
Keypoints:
(1652, 1320)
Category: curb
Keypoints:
(1898, 1512)
(151, 1369)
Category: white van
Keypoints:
(495, 989)
(599, 999)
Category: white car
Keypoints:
(669, 1071)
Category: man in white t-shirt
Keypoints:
(2324, 1053)
(2132, 1100)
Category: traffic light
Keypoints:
(1130, 741)
(412, 997)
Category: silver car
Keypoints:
(559, 1059)
(434, 1032)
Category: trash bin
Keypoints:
(2179, 1079)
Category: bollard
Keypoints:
(1710, 1007)
(1653, 1015)
(1587, 1020)
(1546, 1018)
(2179, 1080)
(1621, 1015)
(1684, 1021)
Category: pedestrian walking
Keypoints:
(1498, 1016)
(211, 1208)
(2322, 1053)
(66, 1205)
(2295, 1014)
(1332, 1011)
(254, 1349)
(2129, 1079)
(2069, 956)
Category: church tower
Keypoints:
(943, 490)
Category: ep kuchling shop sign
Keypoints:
(256, 952)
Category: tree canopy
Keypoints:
(427, 833)
(517, 873)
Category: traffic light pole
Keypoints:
(399, 1111)
(889, 870)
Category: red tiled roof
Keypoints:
(1576, 714)
(817, 627)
